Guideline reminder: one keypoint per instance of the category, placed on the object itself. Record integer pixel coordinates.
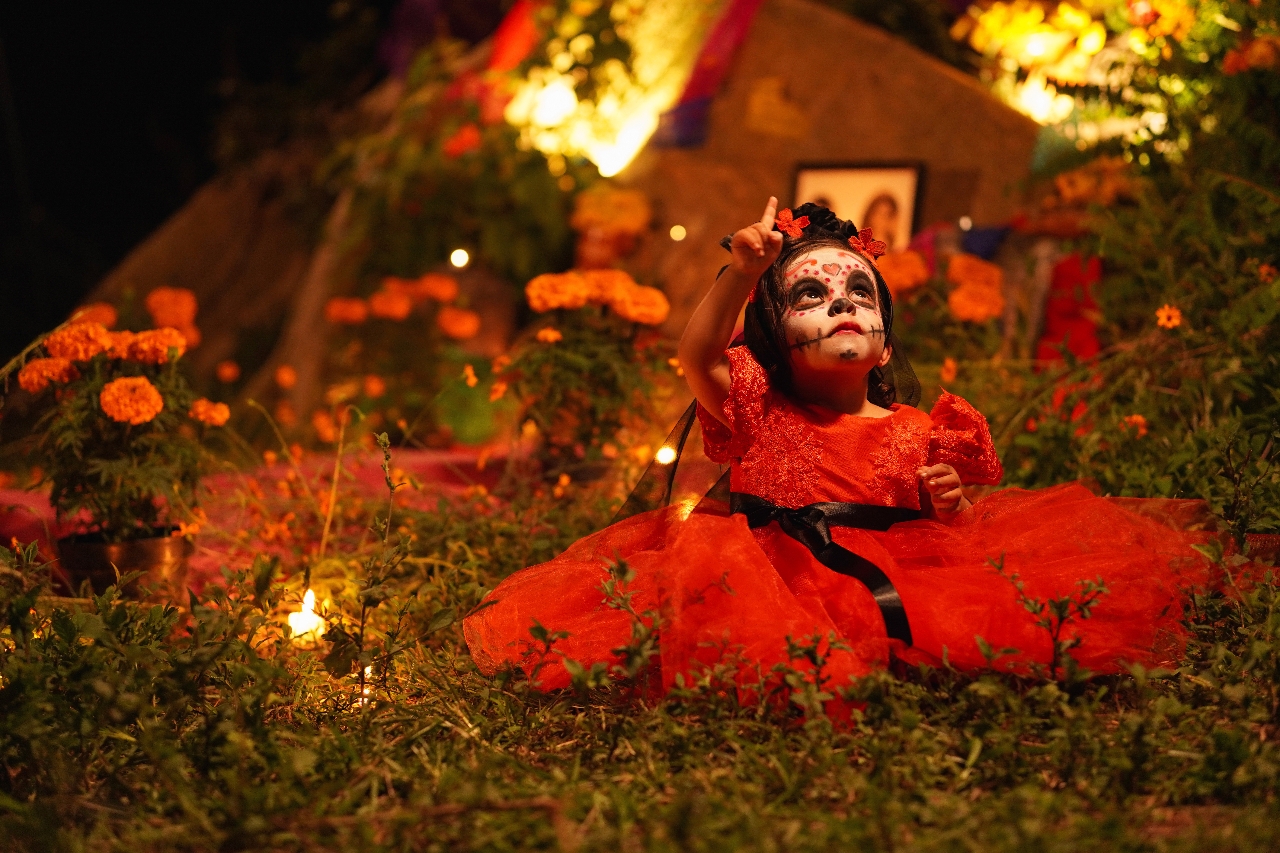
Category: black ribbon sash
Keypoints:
(811, 527)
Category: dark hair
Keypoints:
(763, 331)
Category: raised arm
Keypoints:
(703, 343)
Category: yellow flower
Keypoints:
(1168, 317)
(949, 370)
(78, 342)
(209, 412)
(153, 347)
(458, 323)
(131, 400)
(37, 374)
(469, 376)
(549, 335)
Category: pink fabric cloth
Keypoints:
(27, 515)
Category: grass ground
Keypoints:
(130, 726)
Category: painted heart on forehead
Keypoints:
(831, 269)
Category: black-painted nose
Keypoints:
(841, 306)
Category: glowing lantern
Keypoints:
(666, 455)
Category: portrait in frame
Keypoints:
(884, 197)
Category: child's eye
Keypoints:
(808, 293)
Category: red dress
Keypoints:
(726, 592)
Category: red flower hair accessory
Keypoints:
(787, 224)
(865, 244)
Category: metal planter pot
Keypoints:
(162, 560)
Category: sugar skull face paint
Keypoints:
(832, 319)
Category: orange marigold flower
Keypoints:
(437, 286)
(645, 305)
(1267, 273)
(78, 342)
(949, 370)
(326, 429)
(496, 391)
(979, 293)
(390, 304)
(458, 323)
(131, 400)
(121, 345)
(227, 371)
(96, 312)
(171, 306)
(37, 374)
(286, 376)
(209, 412)
(1135, 422)
(154, 346)
(346, 310)
(286, 414)
(469, 375)
(558, 290)
(374, 385)
(1168, 317)
(500, 364)
(549, 335)
(605, 286)
(464, 140)
(903, 272)
(191, 333)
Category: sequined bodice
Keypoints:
(793, 455)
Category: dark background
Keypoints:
(113, 114)
(108, 113)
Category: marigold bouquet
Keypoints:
(590, 368)
(118, 437)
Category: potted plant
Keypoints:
(118, 440)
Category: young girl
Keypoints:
(847, 517)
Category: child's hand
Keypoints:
(943, 485)
(757, 246)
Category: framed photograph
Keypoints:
(884, 197)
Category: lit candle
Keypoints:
(306, 624)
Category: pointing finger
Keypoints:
(769, 210)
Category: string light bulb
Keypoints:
(459, 258)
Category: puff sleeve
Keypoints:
(743, 409)
(960, 438)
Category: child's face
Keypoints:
(832, 317)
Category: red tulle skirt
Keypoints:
(724, 593)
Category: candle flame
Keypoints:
(306, 624)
